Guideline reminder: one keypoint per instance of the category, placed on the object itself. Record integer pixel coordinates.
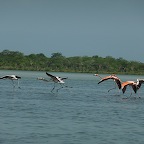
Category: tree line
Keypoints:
(15, 60)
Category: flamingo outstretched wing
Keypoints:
(50, 75)
(104, 79)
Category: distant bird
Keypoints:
(113, 77)
(43, 79)
(12, 78)
(134, 84)
(55, 79)
(58, 80)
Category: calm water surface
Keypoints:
(85, 113)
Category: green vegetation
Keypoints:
(14, 60)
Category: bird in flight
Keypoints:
(12, 78)
(55, 79)
(116, 80)
(134, 84)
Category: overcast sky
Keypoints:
(74, 27)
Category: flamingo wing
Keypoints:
(130, 83)
(140, 83)
(18, 77)
(118, 82)
(134, 87)
(6, 77)
(64, 78)
(105, 78)
(124, 88)
(53, 77)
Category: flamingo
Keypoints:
(12, 78)
(113, 77)
(55, 79)
(135, 85)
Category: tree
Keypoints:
(57, 62)
(56, 55)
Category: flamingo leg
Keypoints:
(139, 95)
(113, 87)
(66, 86)
(53, 88)
(13, 84)
(60, 87)
(131, 92)
(18, 83)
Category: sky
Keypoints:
(74, 27)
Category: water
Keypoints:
(85, 113)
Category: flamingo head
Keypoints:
(95, 74)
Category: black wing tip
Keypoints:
(50, 75)
(18, 77)
(64, 78)
(47, 73)
(123, 89)
(99, 82)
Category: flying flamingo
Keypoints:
(113, 77)
(135, 85)
(12, 78)
(55, 79)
